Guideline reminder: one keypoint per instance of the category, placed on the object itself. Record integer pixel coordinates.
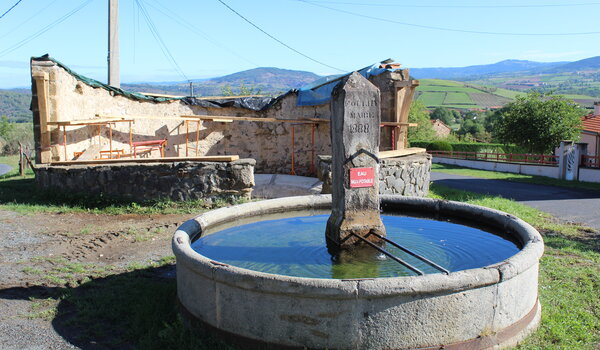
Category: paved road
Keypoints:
(574, 205)
(4, 169)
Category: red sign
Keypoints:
(362, 177)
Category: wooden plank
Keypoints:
(42, 91)
(227, 158)
(398, 124)
(400, 152)
(98, 121)
(406, 83)
(90, 153)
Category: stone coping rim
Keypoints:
(156, 163)
(306, 287)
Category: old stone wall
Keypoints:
(407, 176)
(134, 181)
(269, 143)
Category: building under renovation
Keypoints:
(96, 138)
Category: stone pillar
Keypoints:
(355, 119)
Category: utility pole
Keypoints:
(113, 44)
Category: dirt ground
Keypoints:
(41, 251)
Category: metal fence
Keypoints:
(590, 161)
(538, 159)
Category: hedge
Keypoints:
(474, 147)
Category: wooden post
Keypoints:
(44, 153)
(65, 142)
(187, 133)
(405, 91)
(293, 171)
(197, 138)
(21, 161)
(130, 139)
(110, 138)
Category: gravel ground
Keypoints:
(33, 241)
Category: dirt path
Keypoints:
(42, 251)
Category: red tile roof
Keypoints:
(591, 123)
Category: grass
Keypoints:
(540, 180)
(21, 195)
(569, 275)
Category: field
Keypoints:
(451, 94)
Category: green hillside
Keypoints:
(452, 94)
(15, 105)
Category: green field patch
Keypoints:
(458, 98)
(430, 99)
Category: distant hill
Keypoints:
(588, 64)
(15, 105)
(267, 80)
(460, 73)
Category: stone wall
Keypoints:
(407, 176)
(134, 181)
(269, 143)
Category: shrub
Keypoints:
(439, 146)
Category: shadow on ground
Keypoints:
(132, 310)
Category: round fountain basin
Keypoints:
(492, 306)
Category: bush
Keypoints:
(475, 147)
(439, 146)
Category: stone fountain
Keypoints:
(491, 304)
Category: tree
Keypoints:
(539, 122)
(418, 114)
(443, 114)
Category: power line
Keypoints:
(159, 40)
(28, 19)
(279, 41)
(43, 30)
(182, 22)
(441, 28)
(13, 6)
(449, 6)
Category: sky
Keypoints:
(203, 39)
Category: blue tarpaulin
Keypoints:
(319, 91)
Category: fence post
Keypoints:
(21, 161)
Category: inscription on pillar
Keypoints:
(355, 120)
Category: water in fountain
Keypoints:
(296, 247)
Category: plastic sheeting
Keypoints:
(252, 103)
(316, 93)
(96, 84)
(319, 91)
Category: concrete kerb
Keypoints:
(509, 287)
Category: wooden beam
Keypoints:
(42, 92)
(398, 124)
(406, 83)
(400, 152)
(228, 158)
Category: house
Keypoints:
(441, 129)
(591, 131)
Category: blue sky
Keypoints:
(206, 39)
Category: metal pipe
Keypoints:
(393, 257)
(422, 258)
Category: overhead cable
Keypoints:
(441, 28)
(182, 22)
(279, 41)
(163, 47)
(450, 6)
(43, 30)
(28, 19)
(12, 7)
